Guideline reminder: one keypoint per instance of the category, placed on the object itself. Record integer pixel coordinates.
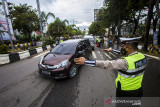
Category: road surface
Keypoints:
(22, 86)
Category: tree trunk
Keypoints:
(136, 22)
(158, 12)
(149, 17)
(119, 25)
(113, 30)
(154, 24)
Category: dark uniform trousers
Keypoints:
(128, 95)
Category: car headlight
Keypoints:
(64, 63)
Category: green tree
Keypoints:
(149, 17)
(57, 28)
(44, 17)
(96, 29)
(25, 19)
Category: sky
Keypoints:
(81, 11)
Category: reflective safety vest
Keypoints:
(132, 78)
(98, 39)
(61, 41)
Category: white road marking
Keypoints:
(100, 54)
(112, 54)
(107, 55)
(41, 54)
(94, 55)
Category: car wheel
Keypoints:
(73, 71)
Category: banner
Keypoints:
(4, 29)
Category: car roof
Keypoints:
(76, 41)
(88, 36)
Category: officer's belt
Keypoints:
(131, 73)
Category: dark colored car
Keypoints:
(59, 62)
(91, 40)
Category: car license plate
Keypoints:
(46, 72)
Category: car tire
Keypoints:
(73, 71)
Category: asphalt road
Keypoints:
(21, 85)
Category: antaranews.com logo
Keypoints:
(132, 101)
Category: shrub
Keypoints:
(3, 49)
(48, 42)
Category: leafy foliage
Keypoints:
(25, 20)
(3, 49)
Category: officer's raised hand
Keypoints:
(109, 50)
(80, 60)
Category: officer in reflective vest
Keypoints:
(130, 68)
(61, 40)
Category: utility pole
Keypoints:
(74, 22)
(4, 3)
(1, 38)
(39, 11)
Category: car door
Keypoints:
(88, 48)
(80, 52)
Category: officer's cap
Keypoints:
(129, 40)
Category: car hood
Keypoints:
(53, 59)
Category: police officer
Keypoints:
(61, 39)
(130, 68)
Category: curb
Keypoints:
(154, 57)
(13, 57)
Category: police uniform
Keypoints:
(130, 71)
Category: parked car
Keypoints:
(91, 40)
(59, 62)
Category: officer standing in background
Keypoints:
(130, 68)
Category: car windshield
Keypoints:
(92, 42)
(64, 49)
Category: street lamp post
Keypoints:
(4, 7)
(39, 11)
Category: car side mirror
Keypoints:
(79, 53)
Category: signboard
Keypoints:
(4, 29)
(155, 38)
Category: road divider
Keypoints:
(13, 57)
(24, 54)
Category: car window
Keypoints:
(80, 46)
(64, 49)
(86, 43)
